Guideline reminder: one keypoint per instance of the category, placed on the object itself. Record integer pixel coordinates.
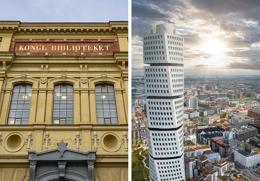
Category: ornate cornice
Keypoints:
(122, 60)
(6, 59)
(121, 56)
(6, 56)
(45, 27)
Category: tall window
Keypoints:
(20, 105)
(63, 104)
(105, 104)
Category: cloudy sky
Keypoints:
(64, 10)
(222, 37)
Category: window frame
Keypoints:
(69, 101)
(106, 110)
(20, 104)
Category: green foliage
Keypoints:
(139, 172)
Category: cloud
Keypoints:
(252, 64)
(221, 7)
(235, 22)
(147, 11)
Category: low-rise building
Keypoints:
(246, 158)
(213, 156)
(218, 144)
(245, 133)
(205, 134)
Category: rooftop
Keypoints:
(246, 153)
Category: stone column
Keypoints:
(5, 106)
(125, 94)
(49, 107)
(92, 98)
(85, 108)
(120, 107)
(84, 101)
(76, 107)
(1, 92)
(41, 105)
(33, 108)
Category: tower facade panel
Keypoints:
(165, 113)
(166, 80)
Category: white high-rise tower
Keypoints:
(164, 84)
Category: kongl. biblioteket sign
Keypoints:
(65, 48)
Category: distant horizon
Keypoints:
(138, 72)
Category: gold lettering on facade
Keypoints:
(68, 48)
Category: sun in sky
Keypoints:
(215, 50)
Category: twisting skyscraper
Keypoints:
(164, 84)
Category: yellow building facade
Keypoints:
(63, 83)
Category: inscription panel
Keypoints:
(84, 48)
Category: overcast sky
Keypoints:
(64, 10)
(221, 36)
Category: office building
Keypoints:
(164, 84)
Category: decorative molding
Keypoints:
(95, 141)
(44, 67)
(62, 147)
(61, 159)
(77, 140)
(36, 28)
(43, 80)
(83, 80)
(24, 76)
(29, 141)
(83, 67)
(64, 76)
(46, 140)
(125, 141)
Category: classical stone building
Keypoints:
(63, 101)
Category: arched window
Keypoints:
(63, 104)
(105, 104)
(20, 104)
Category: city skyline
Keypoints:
(219, 40)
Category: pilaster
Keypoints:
(5, 107)
(84, 101)
(125, 94)
(93, 107)
(76, 109)
(33, 110)
(41, 105)
(85, 113)
(49, 107)
(123, 41)
(120, 107)
(1, 92)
